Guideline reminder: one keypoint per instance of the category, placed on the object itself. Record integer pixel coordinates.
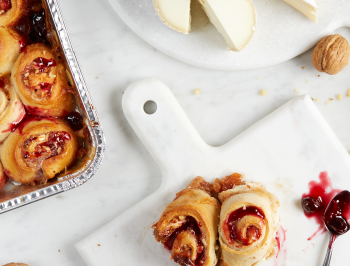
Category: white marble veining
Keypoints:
(112, 57)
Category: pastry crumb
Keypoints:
(328, 102)
(303, 68)
(296, 90)
(98, 245)
(59, 250)
(197, 91)
(319, 75)
(307, 81)
(340, 97)
(257, 77)
(312, 99)
(263, 92)
(317, 100)
(348, 93)
(331, 99)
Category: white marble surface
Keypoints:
(111, 57)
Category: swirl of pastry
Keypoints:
(11, 11)
(248, 224)
(38, 149)
(41, 82)
(3, 177)
(11, 108)
(11, 44)
(188, 226)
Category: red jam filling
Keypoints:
(2, 83)
(43, 64)
(46, 87)
(5, 5)
(55, 143)
(252, 233)
(190, 225)
(337, 214)
(314, 203)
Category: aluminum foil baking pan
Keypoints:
(22, 195)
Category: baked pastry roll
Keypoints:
(11, 11)
(248, 224)
(38, 149)
(3, 177)
(188, 226)
(10, 46)
(11, 108)
(41, 82)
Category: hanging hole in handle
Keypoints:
(150, 107)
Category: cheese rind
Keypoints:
(175, 14)
(306, 7)
(234, 19)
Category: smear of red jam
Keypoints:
(33, 27)
(2, 83)
(321, 192)
(189, 225)
(337, 214)
(280, 239)
(5, 5)
(253, 233)
(46, 87)
(43, 64)
(76, 122)
(29, 118)
(55, 141)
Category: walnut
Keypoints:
(331, 54)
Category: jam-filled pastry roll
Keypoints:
(188, 226)
(40, 80)
(248, 224)
(38, 149)
(11, 44)
(11, 11)
(11, 108)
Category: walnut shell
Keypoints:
(331, 54)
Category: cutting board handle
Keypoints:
(167, 134)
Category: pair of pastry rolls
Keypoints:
(200, 231)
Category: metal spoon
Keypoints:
(336, 220)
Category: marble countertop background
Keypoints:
(112, 57)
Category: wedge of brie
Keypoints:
(175, 14)
(234, 19)
(307, 7)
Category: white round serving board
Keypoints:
(284, 151)
(281, 33)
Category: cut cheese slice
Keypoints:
(176, 14)
(307, 7)
(234, 19)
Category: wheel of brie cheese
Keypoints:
(235, 20)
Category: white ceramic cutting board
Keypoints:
(281, 33)
(284, 151)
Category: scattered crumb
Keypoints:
(307, 81)
(263, 92)
(197, 91)
(348, 93)
(257, 77)
(340, 97)
(59, 250)
(331, 99)
(96, 77)
(317, 99)
(58, 197)
(319, 75)
(328, 102)
(98, 245)
(303, 68)
(296, 90)
(312, 98)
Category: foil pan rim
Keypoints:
(95, 127)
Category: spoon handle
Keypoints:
(327, 260)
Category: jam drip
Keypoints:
(4, 6)
(337, 213)
(46, 145)
(314, 203)
(75, 121)
(235, 231)
(190, 225)
(2, 83)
